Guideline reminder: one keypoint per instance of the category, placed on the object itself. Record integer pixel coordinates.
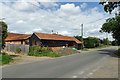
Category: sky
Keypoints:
(26, 17)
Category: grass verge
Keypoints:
(5, 59)
(101, 47)
(117, 52)
(84, 49)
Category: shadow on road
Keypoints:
(108, 52)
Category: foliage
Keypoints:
(110, 6)
(84, 49)
(78, 37)
(4, 33)
(42, 51)
(112, 25)
(91, 42)
(18, 50)
(114, 43)
(105, 41)
(5, 59)
(117, 52)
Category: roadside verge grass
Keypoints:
(100, 47)
(5, 59)
(117, 52)
(84, 49)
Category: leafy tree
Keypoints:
(114, 43)
(78, 37)
(112, 25)
(91, 42)
(109, 5)
(4, 33)
(105, 41)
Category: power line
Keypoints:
(97, 20)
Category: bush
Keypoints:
(42, 51)
(18, 50)
(5, 59)
(91, 42)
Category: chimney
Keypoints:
(52, 32)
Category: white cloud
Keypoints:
(37, 30)
(48, 4)
(23, 5)
(83, 5)
(20, 22)
(64, 33)
(69, 8)
(63, 20)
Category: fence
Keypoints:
(14, 47)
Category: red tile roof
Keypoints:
(16, 36)
(90, 37)
(56, 37)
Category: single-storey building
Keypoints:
(42, 39)
(15, 38)
(53, 40)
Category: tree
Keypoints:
(91, 42)
(109, 5)
(112, 25)
(105, 41)
(78, 37)
(4, 33)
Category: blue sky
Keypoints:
(62, 17)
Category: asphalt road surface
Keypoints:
(74, 66)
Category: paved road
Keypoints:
(74, 66)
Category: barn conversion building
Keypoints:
(14, 38)
(42, 39)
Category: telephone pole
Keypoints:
(82, 34)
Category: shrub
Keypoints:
(5, 59)
(42, 51)
(18, 50)
(91, 42)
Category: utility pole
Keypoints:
(82, 31)
(82, 34)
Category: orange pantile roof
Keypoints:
(15, 36)
(56, 37)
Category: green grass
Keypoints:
(84, 49)
(101, 47)
(38, 51)
(117, 52)
(5, 59)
